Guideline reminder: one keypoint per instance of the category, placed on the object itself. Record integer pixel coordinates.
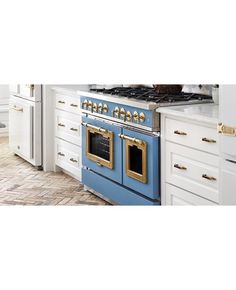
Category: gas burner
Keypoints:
(150, 95)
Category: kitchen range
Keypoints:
(121, 141)
(117, 144)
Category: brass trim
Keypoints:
(105, 108)
(91, 129)
(125, 137)
(142, 117)
(140, 144)
(226, 130)
(128, 116)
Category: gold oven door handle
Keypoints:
(125, 137)
(99, 129)
(226, 130)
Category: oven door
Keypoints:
(101, 148)
(141, 168)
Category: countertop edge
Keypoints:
(176, 112)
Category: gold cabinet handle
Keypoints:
(99, 129)
(61, 154)
(73, 160)
(18, 109)
(125, 137)
(73, 129)
(61, 102)
(74, 105)
(61, 125)
(177, 132)
(180, 167)
(208, 177)
(226, 130)
(208, 140)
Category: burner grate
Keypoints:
(150, 95)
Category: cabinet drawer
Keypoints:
(68, 103)
(193, 170)
(192, 135)
(68, 157)
(68, 127)
(177, 196)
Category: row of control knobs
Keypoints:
(94, 107)
(120, 113)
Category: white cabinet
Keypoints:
(228, 144)
(192, 170)
(189, 161)
(67, 127)
(177, 196)
(20, 129)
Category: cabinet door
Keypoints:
(20, 127)
(177, 196)
(228, 184)
(228, 118)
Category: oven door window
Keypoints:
(136, 160)
(99, 147)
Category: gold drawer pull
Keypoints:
(61, 154)
(180, 167)
(61, 125)
(73, 160)
(18, 109)
(177, 132)
(226, 130)
(73, 129)
(61, 102)
(208, 177)
(73, 105)
(208, 140)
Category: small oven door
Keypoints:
(101, 148)
(141, 166)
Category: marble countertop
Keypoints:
(70, 88)
(201, 112)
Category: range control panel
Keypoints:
(117, 111)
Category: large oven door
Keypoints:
(141, 166)
(101, 148)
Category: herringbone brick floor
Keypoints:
(22, 184)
